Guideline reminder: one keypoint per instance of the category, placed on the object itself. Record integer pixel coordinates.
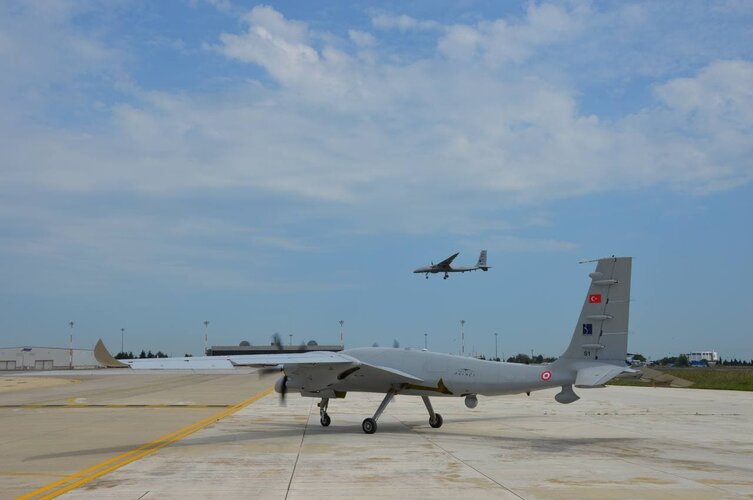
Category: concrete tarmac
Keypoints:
(617, 442)
(52, 430)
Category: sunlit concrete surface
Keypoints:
(617, 442)
(55, 426)
(8, 384)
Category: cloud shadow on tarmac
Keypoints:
(295, 429)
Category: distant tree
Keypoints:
(149, 354)
(519, 358)
(186, 355)
(142, 355)
(161, 354)
(312, 343)
(639, 357)
(374, 345)
(668, 361)
(395, 344)
(245, 343)
(682, 360)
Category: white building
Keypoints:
(697, 357)
(45, 358)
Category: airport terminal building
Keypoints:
(697, 358)
(45, 358)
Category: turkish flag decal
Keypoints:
(594, 298)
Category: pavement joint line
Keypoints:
(87, 475)
(300, 447)
(449, 453)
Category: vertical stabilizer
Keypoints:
(602, 329)
(103, 356)
(482, 260)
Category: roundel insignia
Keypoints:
(546, 375)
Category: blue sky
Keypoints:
(278, 167)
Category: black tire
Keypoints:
(325, 420)
(436, 422)
(369, 426)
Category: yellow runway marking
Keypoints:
(82, 477)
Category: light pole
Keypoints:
(426, 340)
(122, 334)
(23, 357)
(206, 326)
(496, 356)
(291, 338)
(462, 337)
(342, 343)
(531, 355)
(70, 346)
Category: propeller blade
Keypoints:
(282, 387)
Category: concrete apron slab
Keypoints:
(614, 443)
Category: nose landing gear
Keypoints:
(323, 415)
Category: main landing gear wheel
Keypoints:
(325, 420)
(369, 426)
(436, 422)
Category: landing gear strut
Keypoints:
(435, 419)
(446, 276)
(323, 416)
(369, 425)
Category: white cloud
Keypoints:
(402, 22)
(393, 145)
(347, 131)
(519, 244)
(96, 249)
(503, 41)
(722, 88)
(362, 38)
(221, 5)
(283, 48)
(460, 42)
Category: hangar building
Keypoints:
(45, 358)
